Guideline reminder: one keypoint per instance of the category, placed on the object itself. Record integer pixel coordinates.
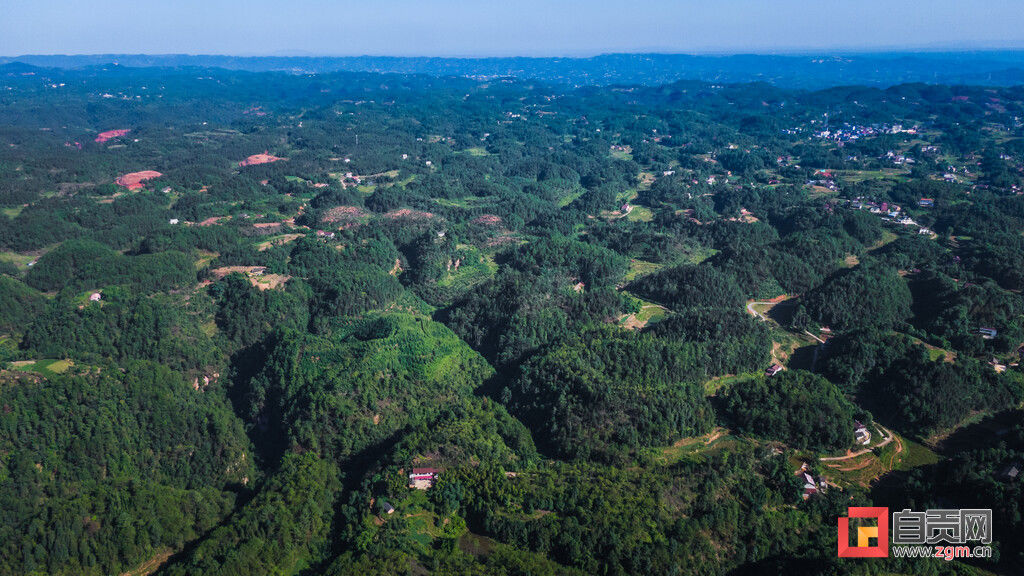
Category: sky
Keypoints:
(492, 28)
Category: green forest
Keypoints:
(358, 323)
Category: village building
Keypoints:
(997, 365)
(1011, 471)
(811, 486)
(988, 333)
(423, 478)
(773, 370)
(861, 433)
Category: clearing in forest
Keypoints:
(111, 134)
(257, 276)
(649, 312)
(44, 367)
(864, 467)
(134, 180)
(256, 159)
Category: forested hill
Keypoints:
(360, 323)
(814, 71)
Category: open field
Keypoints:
(857, 176)
(279, 240)
(714, 385)
(639, 268)
(50, 367)
(476, 268)
(863, 470)
(19, 260)
(695, 449)
(649, 312)
(640, 214)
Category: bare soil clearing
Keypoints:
(111, 134)
(256, 159)
(134, 180)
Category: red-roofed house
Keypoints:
(423, 478)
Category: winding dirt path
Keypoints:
(889, 436)
(755, 313)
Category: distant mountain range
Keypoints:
(996, 68)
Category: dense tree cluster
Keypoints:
(795, 407)
(553, 298)
(102, 468)
(600, 393)
(868, 296)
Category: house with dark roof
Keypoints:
(1011, 471)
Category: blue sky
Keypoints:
(486, 27)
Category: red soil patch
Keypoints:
(134, 180)
(344, 214)
(111, 134)
(408, 214)
(259, 159)
(257, 276)
(268, 226)
(212, 220)
(488, 219)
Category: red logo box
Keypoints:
(864, 533)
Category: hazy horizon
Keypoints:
(836, 52)
(457, 28)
